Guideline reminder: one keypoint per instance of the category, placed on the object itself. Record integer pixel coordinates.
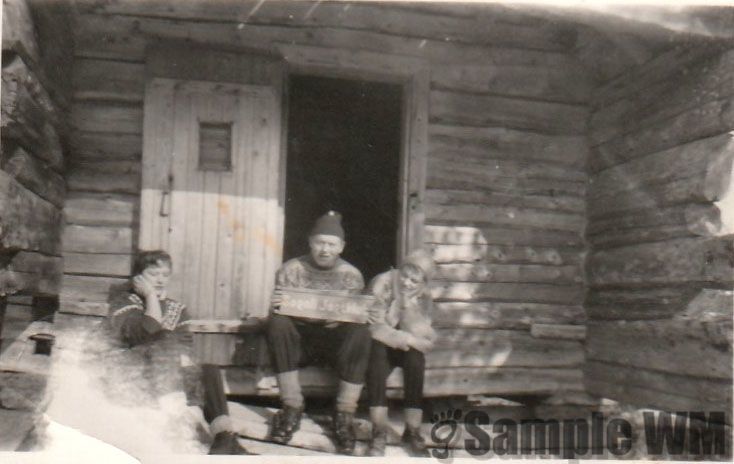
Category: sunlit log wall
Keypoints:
(506, 169)
(660, 264)
(35, 99)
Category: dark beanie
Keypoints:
(328, 224)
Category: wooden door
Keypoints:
(211, 164)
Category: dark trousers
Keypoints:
(383, 360)
(294, 343)
(215, 401)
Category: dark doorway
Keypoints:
(344, 140)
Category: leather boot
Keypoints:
(416, 444)
(378, 442)
(344, 432)
(226, 443)
(285, 423)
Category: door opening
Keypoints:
(344, 153)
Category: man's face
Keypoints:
(158, 276)
(325, 249)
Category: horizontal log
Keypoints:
(18, 29)
(568, 204)
(489, 235)
(370, 17)
(706, 120)
(36, 177)
(471, 176)
(28, 114)
(559, 331)
(710, 304)
(503, 167)
(672, 261)
(119, 37)
(500, 315)
(104, 116)
(700, 219)
(531, 82)
(527, 273)
(94, 180)
(119, 265)
(69, 305)
(660, 390)
(445, 254)
(709, 159)
(656, 350)
(488, 111)
(101, 146)
(661, 299)
(90, 289)
(510, 216)
(533, 293)
(94, 209)
(88, 239)
(629, 313)
(28, 222)
(626, 237)
(32, 274)
(504, 143)
(108, 80)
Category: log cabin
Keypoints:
(570, 170)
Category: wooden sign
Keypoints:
(325, 305)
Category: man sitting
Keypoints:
(294, 341)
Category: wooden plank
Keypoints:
(707, 159)
(93, 289)
(216, 326)
(100, 209)
(531, 82)
(666, 262)
(507, 215)
(488, 111)
(534, 293)
(88, 239)
(661, 350)
(118, 265)
(489, 235)
(528, 273)
(567, 204)
(18, 29)
(20, 356)
(104, 116)
(445, 254)
(701, 219)
(68, 305)
(28, 222)
(92, 180)
(28, 115)
(22, 391)
(660, 300)
(505, 143)
(105, 146)
(33, 175)
(503, 315)
(108, 80)
(31, 273)
(559, 331)
(358, 16)
(706, 120)
(474, 176)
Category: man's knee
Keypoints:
(279, 326)
(414, 359)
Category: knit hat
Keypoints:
(422, 260)
(328, 224)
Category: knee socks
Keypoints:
(348, 396)
(290, 389)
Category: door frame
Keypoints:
(413, 74)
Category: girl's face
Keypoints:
(158, 276)
(411, 279)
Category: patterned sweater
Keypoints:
(128, 305)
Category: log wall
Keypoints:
(506, 169)
(32, 188)
(660, 267)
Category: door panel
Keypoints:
(221, 221)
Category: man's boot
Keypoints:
(378, 442)
(416, 444)
(344, 432)
(226, 443)
(285, 423)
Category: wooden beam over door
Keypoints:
(414, 75)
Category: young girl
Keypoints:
(401, 338)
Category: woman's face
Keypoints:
(411, 279)
(158, 276)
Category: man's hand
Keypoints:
(276, 299)
(375, 314)
(419, 343)
(142, 286)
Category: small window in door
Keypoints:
(215, 146)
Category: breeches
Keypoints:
(383, 360)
